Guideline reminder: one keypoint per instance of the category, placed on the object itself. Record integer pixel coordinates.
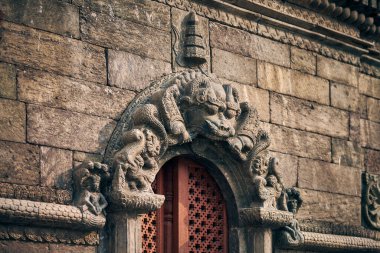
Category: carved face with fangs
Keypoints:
(210, 109)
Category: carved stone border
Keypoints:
(48, 214)
(289, 34)
(320, 242)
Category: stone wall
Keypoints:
(69, 68)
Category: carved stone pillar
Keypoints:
(262, 240)
(125, 234)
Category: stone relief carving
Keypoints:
(371, 200)
(87, 183)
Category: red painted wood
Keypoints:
(193, 218)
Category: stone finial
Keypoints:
(194, 48)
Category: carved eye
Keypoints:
(230, 114)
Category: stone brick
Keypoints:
(370, 134)
(116, 33)
(62, 92)
(328, 207)
(247, 44)
(8, 81)
(125, 70)
(329, 177)
(299, 143)
(43, 50)
(337, 71)
(19, 163)
(82, 156)
(288, 167)
(345, 97)
(372, 161)
(69, 130)
(12, 120)
(347, 153)
(43, 14)
(258, 98)
(56, 167)
(309, 116)
(62, 248)
(234, 67)
(23, 247)
(303, 60)
(373, 109)
(369, 86)
(354, 127)
(363, 107)
(292, 82)
(145, 12)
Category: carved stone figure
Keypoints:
(371, 200)
(87, 180)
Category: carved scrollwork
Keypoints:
(371, 200)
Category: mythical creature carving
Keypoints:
(191, 104)
(87, 182)
(371, 201)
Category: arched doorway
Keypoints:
(193, 218)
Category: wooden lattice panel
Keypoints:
(149, 230)
(207, 223)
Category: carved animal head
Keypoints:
(210, 109)
(259, 166)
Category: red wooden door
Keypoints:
(193, 217)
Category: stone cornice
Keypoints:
(287, 23)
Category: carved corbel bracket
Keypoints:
(263, 217)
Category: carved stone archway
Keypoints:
(193, 113)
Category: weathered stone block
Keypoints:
(19, 163)
(12, 120)
(373, 109)
(329, 177)
(125, 70)
(292, 82)
(363, 107)
(43, 50)
(337, 71)
(370, 134)
(62, 92)
(43, 14)
(258, 98)
(20, 246)
(372, 161)
(70, 130)
(347, 153)
(328, 207)
(234, 67)
(62, 248)
(309, 116)
(369, 86)
(82, 156)
(354, 127)
(7, 81)
(345, 97)
(56, 167)
(247, 44)
(299, 143)
(122, 34)
(288, 167)
(145, 12)
(303, 60)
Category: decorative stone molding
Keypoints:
(17, 211)
(371, 200)
(253, 22)
(259, 216)
(329, 242)
(48, 235)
